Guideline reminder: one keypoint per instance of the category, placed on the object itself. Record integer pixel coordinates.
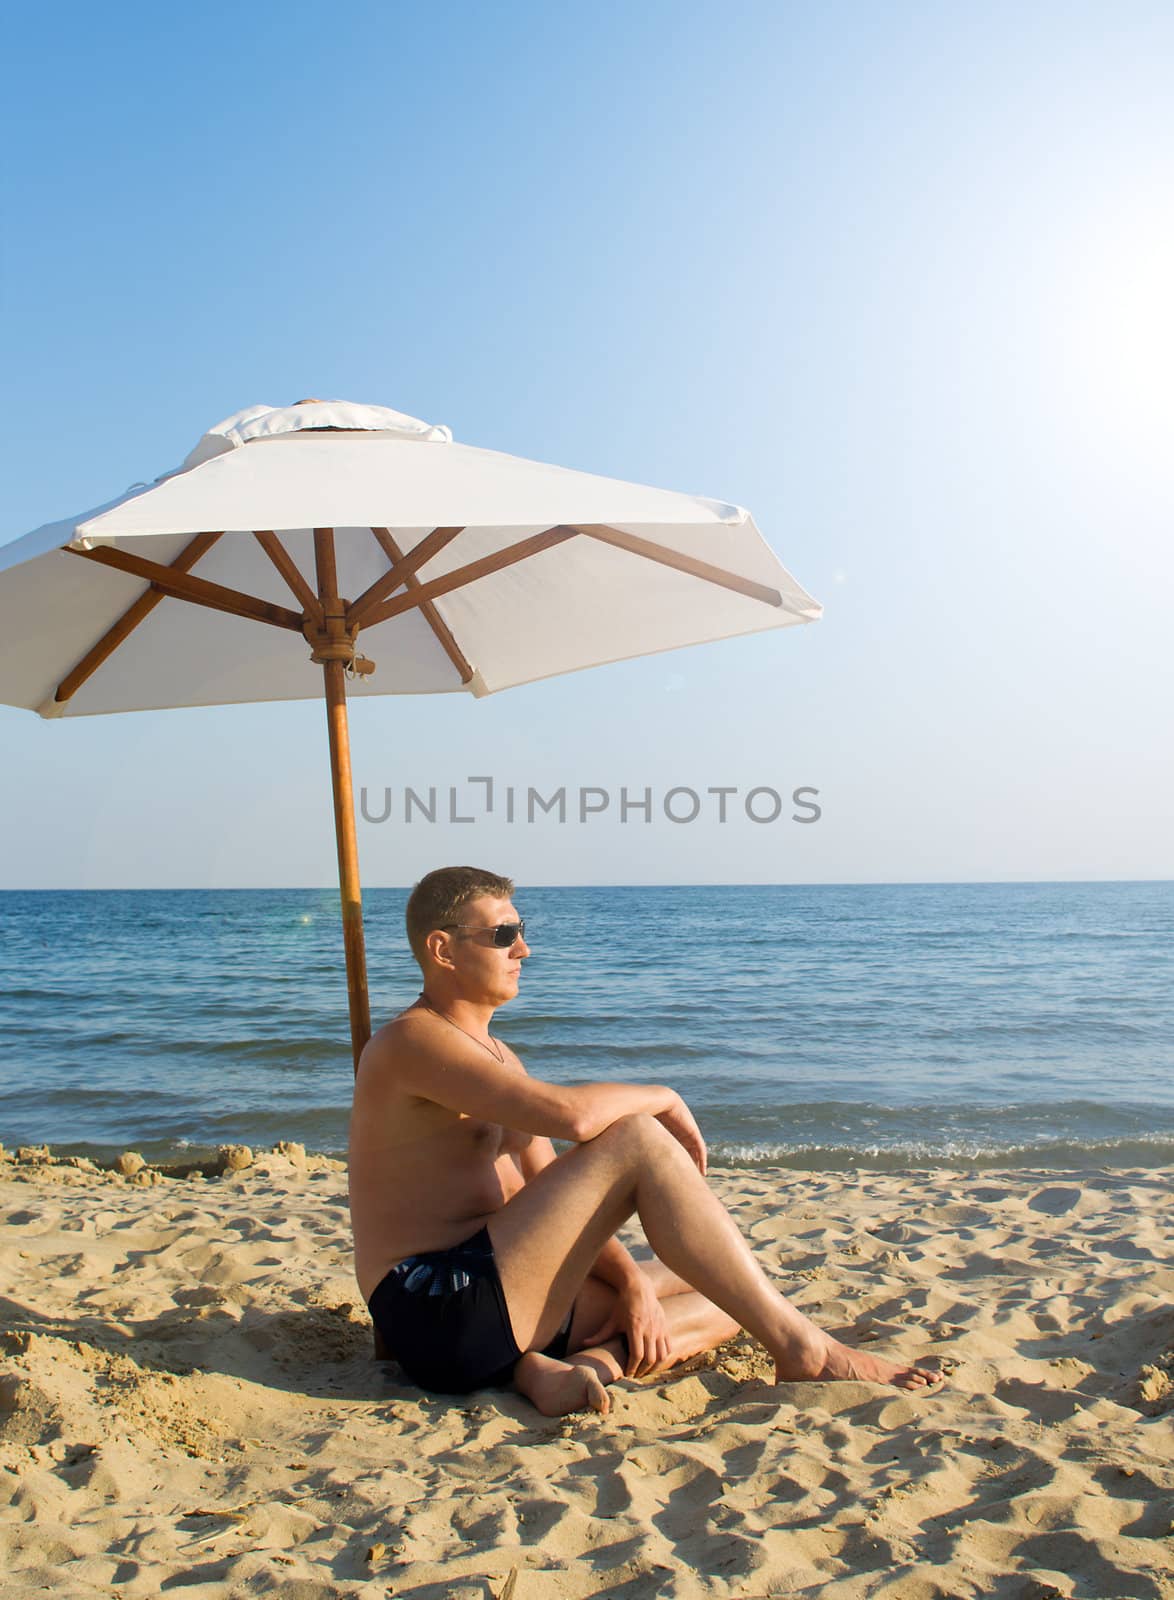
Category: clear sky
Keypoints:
(898, 278)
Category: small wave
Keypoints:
(55, 996)
(1052, 1030)
(67, 1099)
(1138, 1151)
(262, 1052)
(604, 1050)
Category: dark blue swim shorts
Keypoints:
(444, 1318)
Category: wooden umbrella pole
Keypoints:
(333, 648)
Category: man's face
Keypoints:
(487, 970)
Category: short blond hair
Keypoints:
(439, 898)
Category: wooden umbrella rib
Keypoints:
(387, 544)
(129, 620)
(197, 590)
(401, 570)
(440, 628)
(682, 563)
(461, 576)
(292, 574)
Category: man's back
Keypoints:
(422, 1177)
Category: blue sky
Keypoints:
(896, 278)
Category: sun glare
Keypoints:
(1119, 335)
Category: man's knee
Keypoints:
(640, 1133)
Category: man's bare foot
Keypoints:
(558, 1387)
(842, 1364)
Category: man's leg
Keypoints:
(547, 1236)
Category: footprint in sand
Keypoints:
(1054, 1202)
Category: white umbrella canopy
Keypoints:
(576, 600)
(353, 529)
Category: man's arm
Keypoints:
(637, 1313)
(460, 1075)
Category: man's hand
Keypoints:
(639, 1316)
(678, 1119)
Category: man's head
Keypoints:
(452, 919)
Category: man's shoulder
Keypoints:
(413, 1035)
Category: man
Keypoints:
(483, 1256)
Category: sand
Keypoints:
(188, 1402)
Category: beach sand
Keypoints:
(188, 1401)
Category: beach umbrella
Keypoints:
(291, 535)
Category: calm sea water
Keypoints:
(875, 1026)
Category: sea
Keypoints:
(817, 1027)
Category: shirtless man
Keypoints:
(483, 1256)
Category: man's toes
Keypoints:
(597, 1396)
(919, 1378)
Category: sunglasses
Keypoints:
(505, 934)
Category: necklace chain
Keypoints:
(493, 1047)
